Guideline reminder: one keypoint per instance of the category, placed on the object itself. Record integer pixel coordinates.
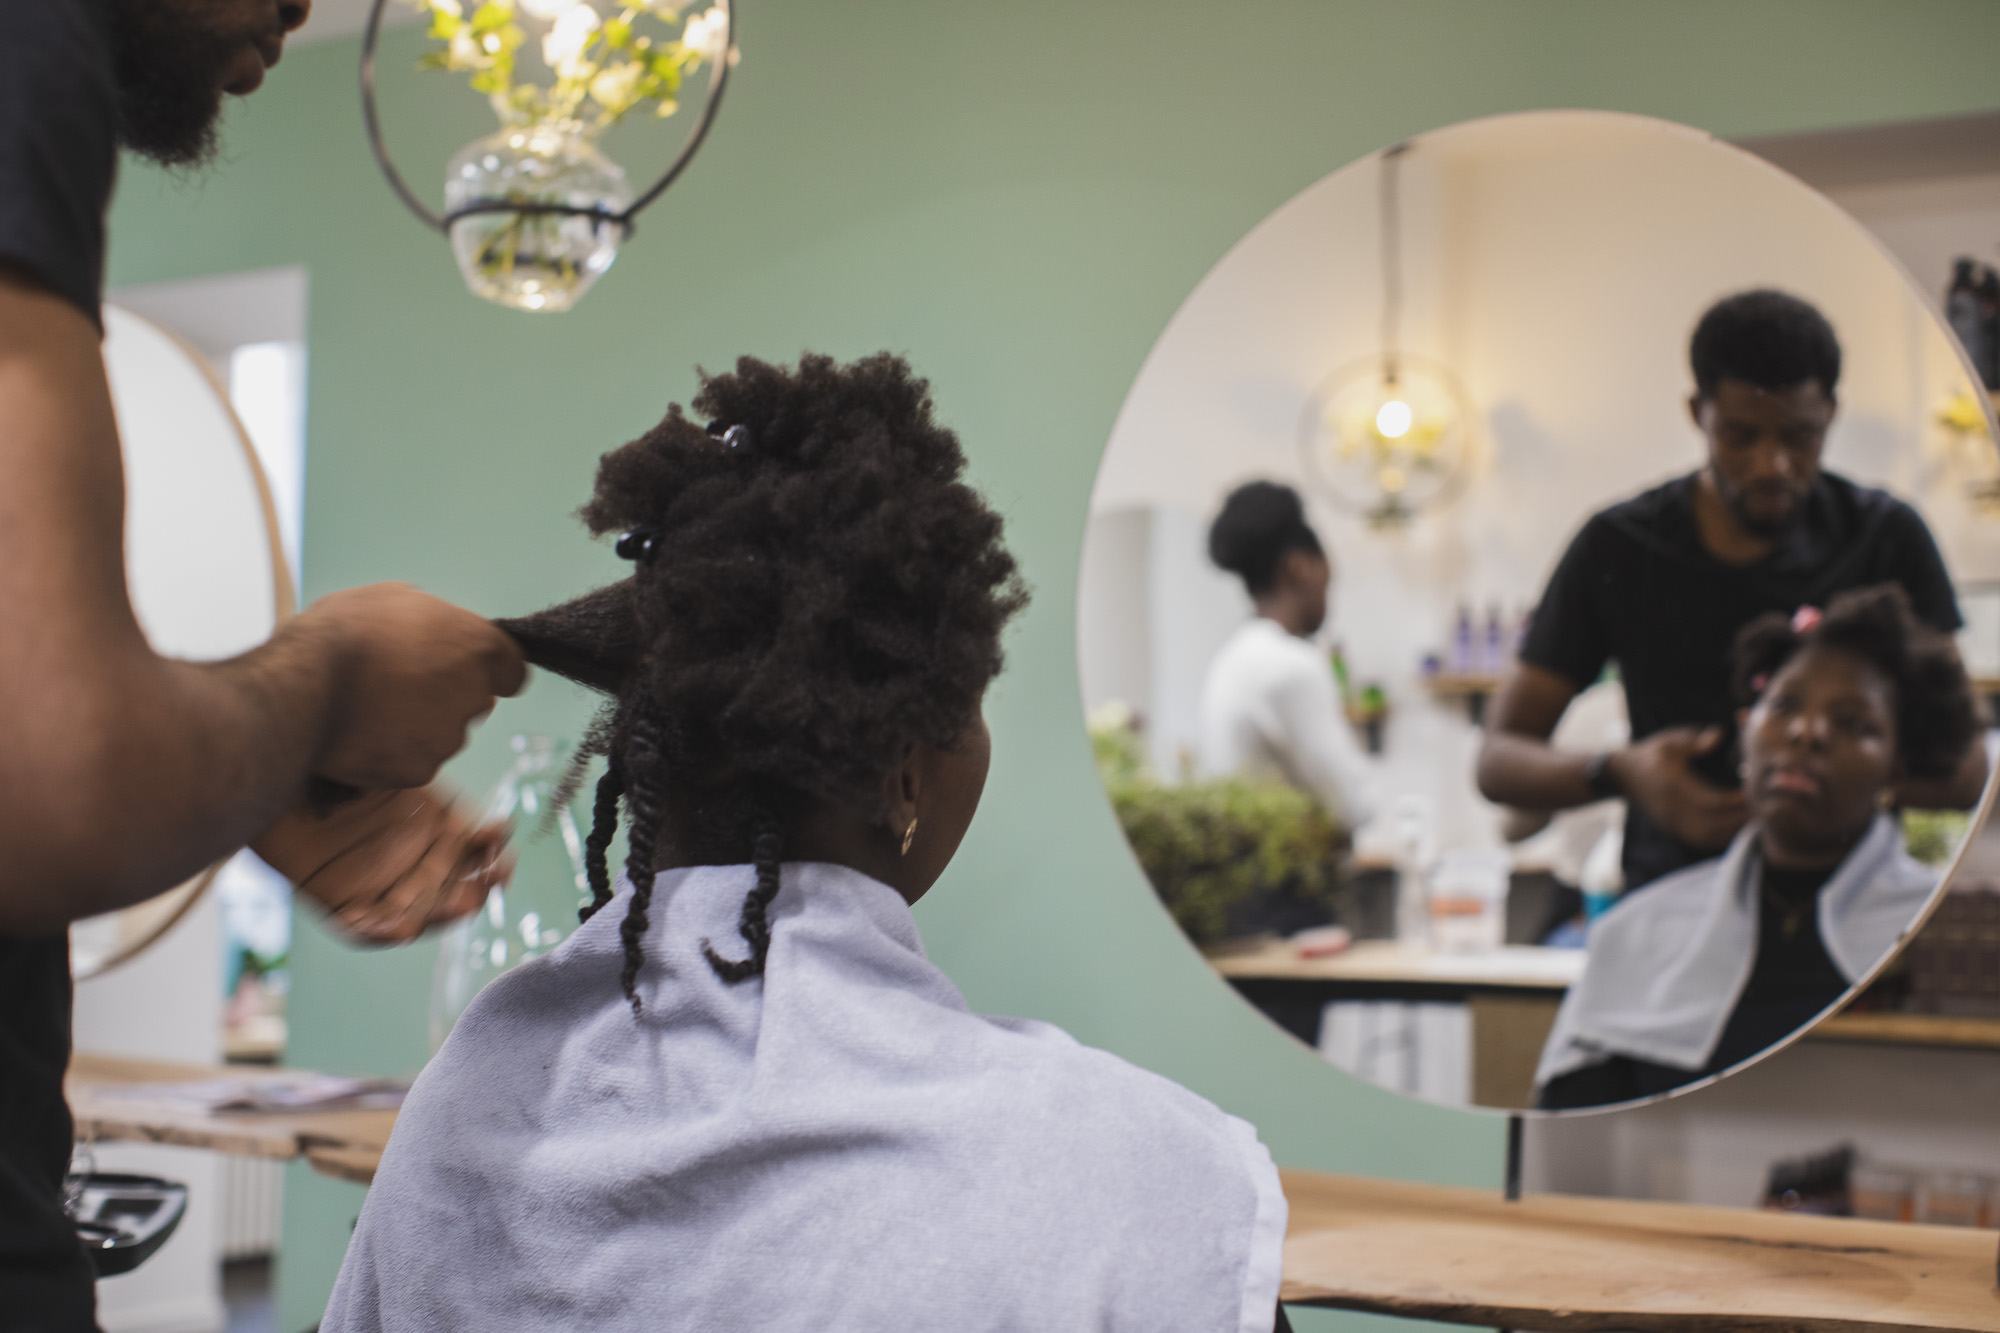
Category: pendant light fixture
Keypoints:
(1386, 436)
(536, 212)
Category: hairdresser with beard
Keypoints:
(124, 772)
(1662, 583)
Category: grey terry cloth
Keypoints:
(840, 1144)
(1667, 963)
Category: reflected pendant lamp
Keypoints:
(1386, 436)
(536, 212)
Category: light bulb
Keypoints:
(1393, 418)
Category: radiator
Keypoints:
(253, 1196)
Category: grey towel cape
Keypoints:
(1667, 963)
(839, 1144)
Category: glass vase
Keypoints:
(535, 261)
(538, 910)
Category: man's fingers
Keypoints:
(403, 912)
(506, 666)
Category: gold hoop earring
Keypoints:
(909, 835)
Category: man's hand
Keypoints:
(415, 673)
(1656, 774)
(390, 864)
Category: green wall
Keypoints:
(1017, 196)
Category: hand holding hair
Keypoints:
(1657, 775)
(412, 674)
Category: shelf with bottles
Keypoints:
(1478, 660)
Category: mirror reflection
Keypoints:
(1521, 613)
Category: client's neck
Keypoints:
(692, 835)
(1805, 853)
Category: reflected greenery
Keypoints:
(1208, 846)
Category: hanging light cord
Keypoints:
(1392, 259)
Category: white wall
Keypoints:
(1558, 262)
(166, 1004)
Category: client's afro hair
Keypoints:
(816, 589)
(1937, 713)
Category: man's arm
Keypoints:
(1518, 767)
(124, 772)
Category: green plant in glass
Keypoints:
(1210, 845)
(545, 154)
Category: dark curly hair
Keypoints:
(1938, 715)
(1259, 523)
(1766, 338)
(815, 590)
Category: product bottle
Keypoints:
(1988, 359)
(1341, 680)
(1961, 311)
(538, 910)
(1461, 642)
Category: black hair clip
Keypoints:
(638, 544)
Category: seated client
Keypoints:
(1721, 960)
(739, 1096)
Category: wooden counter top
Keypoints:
(1464, 1256)
(1515, 967)
(1551, 1262)
(244, 1133)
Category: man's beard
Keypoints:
(170, 72)
(1766, 529)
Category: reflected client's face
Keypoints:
(1819, 748)
(1764, 449)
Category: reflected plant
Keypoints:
(1209, 845)
(1932, 836)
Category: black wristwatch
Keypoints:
(1597, 776)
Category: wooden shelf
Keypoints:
(243, 1133)
(1551, 1262)
(1911, 1030)
(1472, 688)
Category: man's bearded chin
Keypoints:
(170, 74)
(1760, 525)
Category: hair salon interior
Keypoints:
(1335, 369)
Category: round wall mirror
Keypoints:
(202, 555)
(1523, 700)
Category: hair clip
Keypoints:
(735, 438)
(1759, 681)
(638, 544)
(1805, 620)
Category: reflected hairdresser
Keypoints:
(1660, 584)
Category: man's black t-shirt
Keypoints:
(58, 153)
(1638, 588)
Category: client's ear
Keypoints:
(593, 640)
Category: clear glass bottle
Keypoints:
(538, 910)
(536, 261)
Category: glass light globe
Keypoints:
(1386, 446)
(1393, 419)
(536, 261)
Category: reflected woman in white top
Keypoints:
(1270, 707)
